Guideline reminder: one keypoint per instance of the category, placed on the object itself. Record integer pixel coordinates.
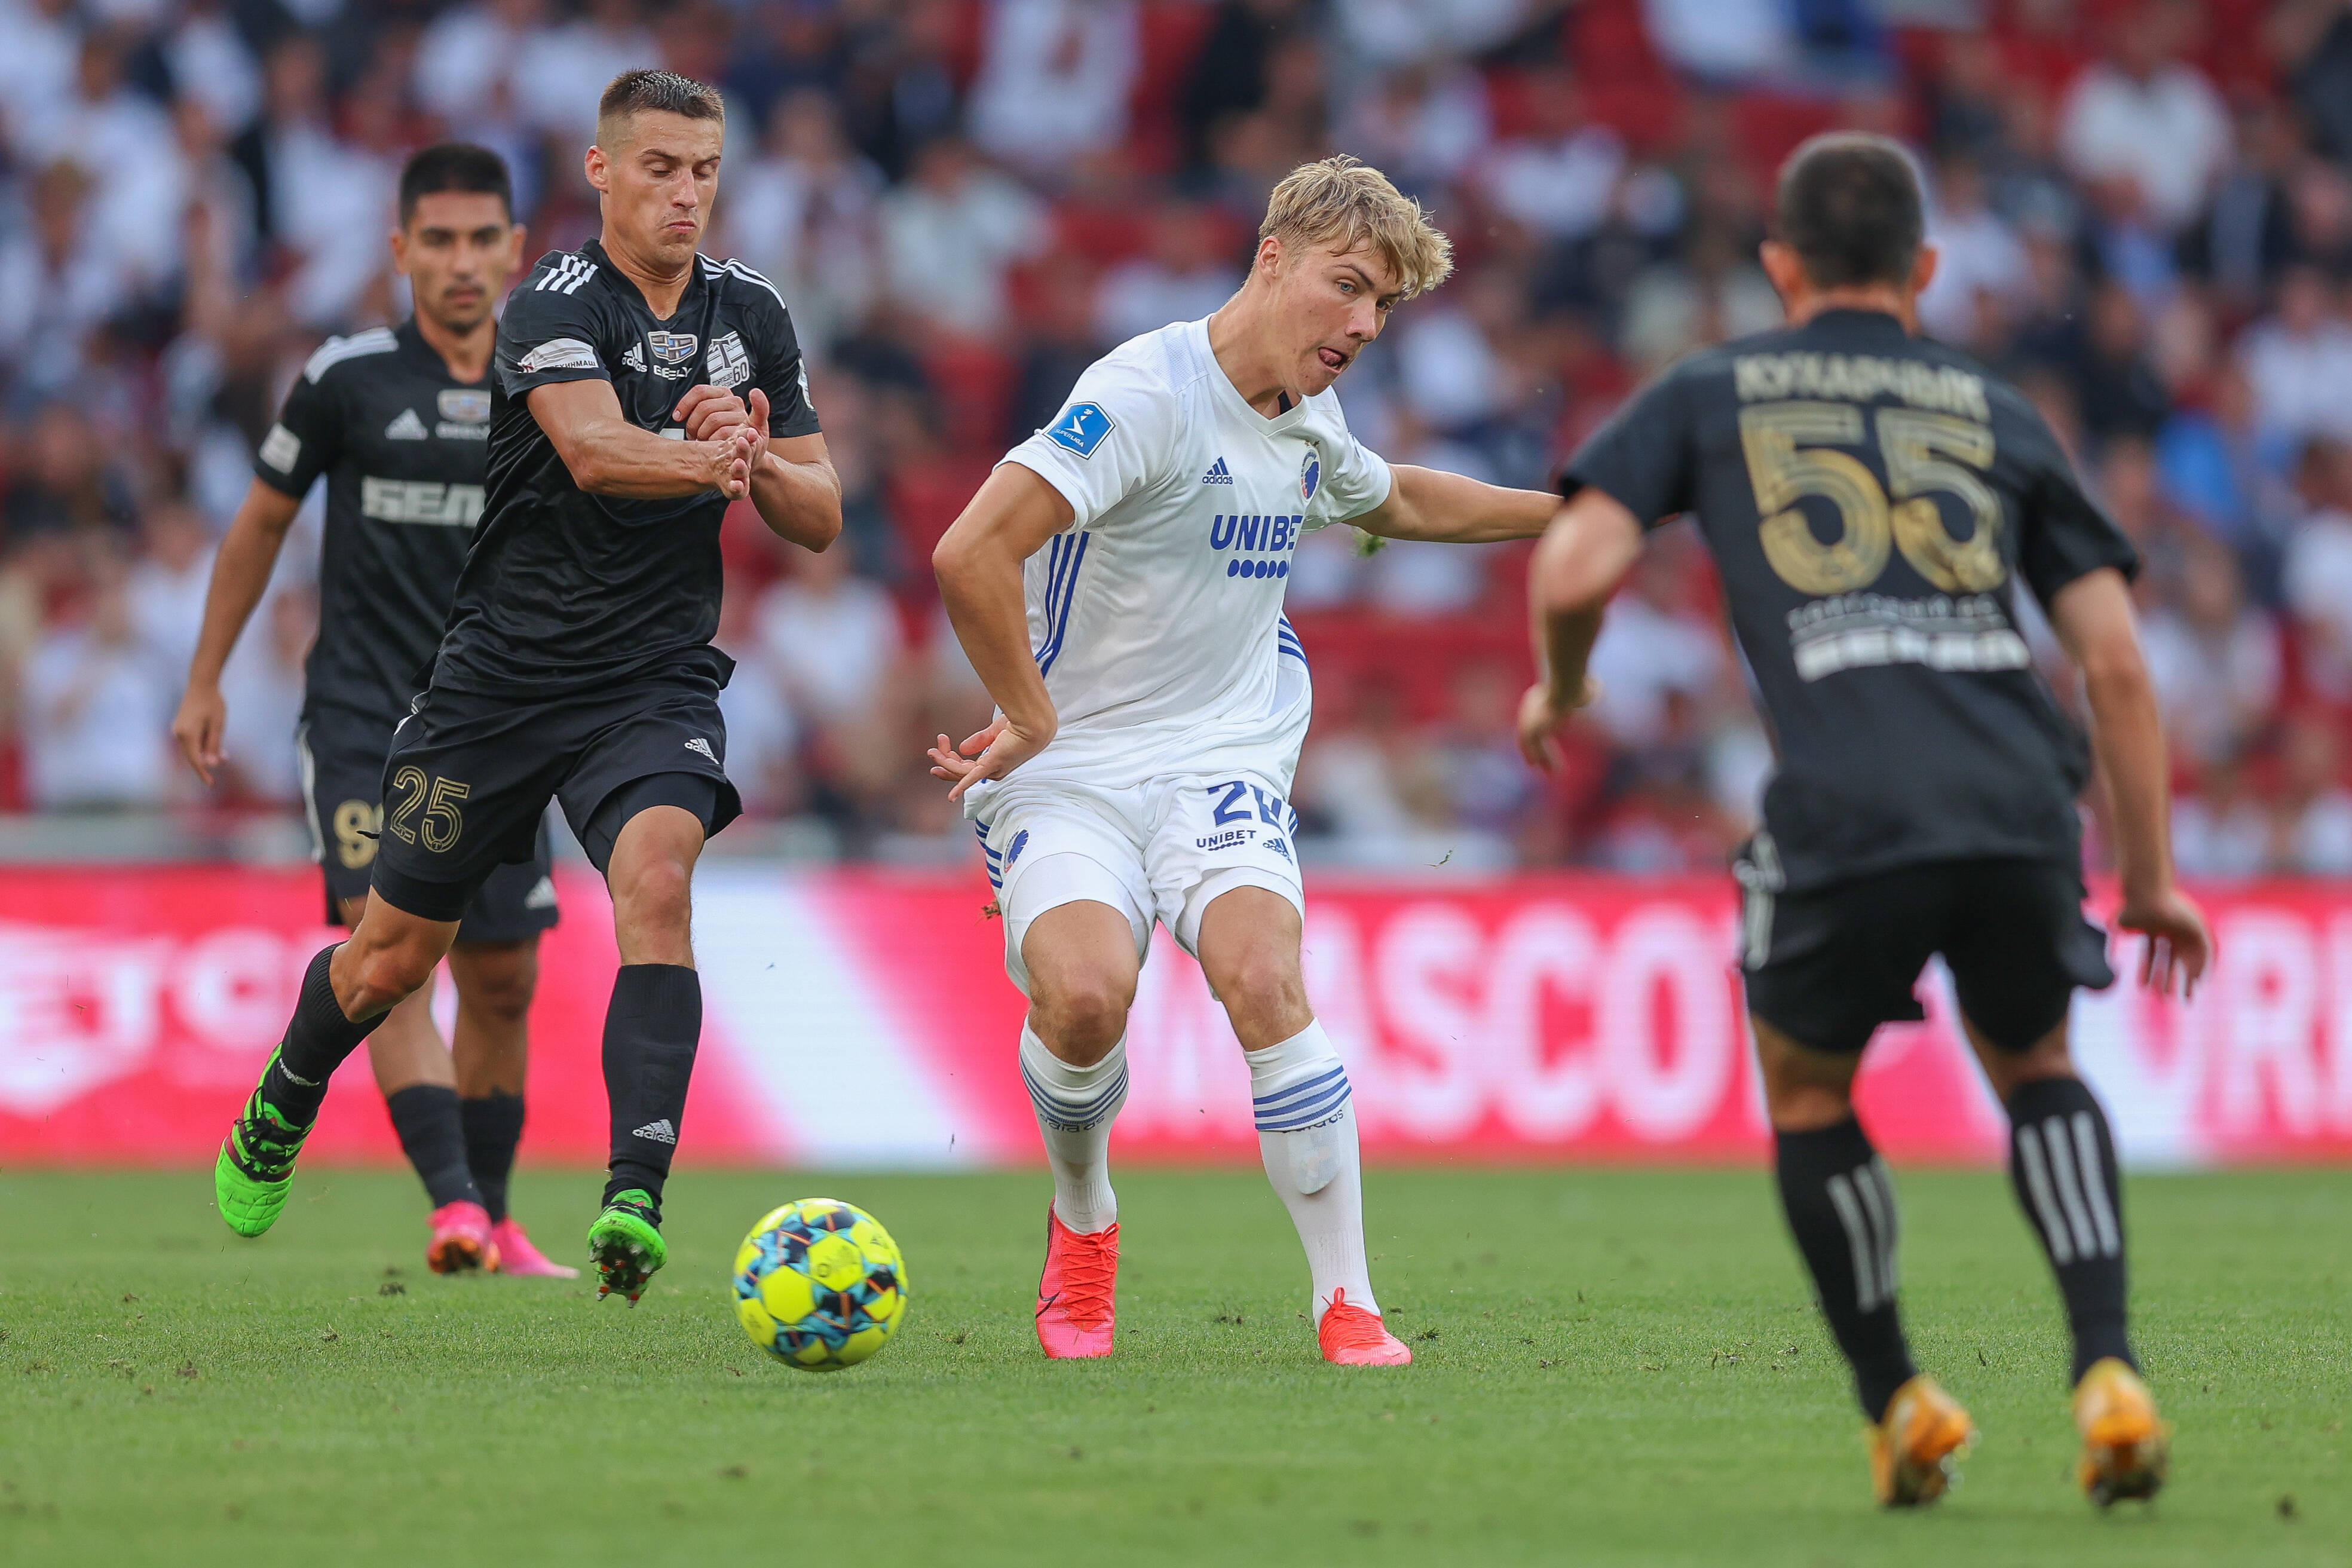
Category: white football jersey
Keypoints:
(1156, 616)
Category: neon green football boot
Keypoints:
(256, 1167)
(627, 1245)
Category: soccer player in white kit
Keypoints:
(1118, 584)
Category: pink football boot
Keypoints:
(461, 1239)
(1078, 1295)
(1350, 1336)
(518, 1256)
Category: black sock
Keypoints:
(316, 1042)
(493, 1128)
(426, 1117)
(2061, 1160)
(650, 1032)
(1841, 1206)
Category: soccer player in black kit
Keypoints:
(637, 388)
(398, 421)
(1872, 501)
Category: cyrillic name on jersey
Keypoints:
(1859, 378)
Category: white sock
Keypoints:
(1075, 1106)
(1306, 1134)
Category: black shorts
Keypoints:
(1828, 966)
(342, 776)
(468, 778)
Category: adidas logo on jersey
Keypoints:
(407, 427)
(702, 746)
(1218, 474)
(542, 895)
(660, 1132)
(635, 358)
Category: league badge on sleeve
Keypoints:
(1081, 429)
(1310, 473)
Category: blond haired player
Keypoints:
(1118, 583)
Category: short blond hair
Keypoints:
(1343, 199)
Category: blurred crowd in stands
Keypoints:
(2144, 207)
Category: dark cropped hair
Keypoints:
(453, 166)
(635, 92)
(1849, 205)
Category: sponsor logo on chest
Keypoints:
(420, 502)
(1256, 544)
(464, 414)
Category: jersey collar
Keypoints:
(1883, 321)
(425, 357)
(695, 282)
(1232, 395)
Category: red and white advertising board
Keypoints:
(863, 1020)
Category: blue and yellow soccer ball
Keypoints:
(819, 1285)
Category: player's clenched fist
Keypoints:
(1540, 714)
(714, 414)
(202, 716)
(728, 460)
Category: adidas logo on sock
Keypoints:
(407, 427)
(1218, 474)
(660, 1132)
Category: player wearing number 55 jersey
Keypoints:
(397, 422)
(1875, 503)
(1118, 583)
(638, 387)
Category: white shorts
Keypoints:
(1158, 851)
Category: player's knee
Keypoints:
(500, 985)
(1261, 979)
(656, 893)
(388, 974)
(1081, 1016)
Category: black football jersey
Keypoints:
(566, 590)
(1872, 499)
(403, 444)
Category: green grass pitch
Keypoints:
(1613, 1366)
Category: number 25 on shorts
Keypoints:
(441, 820)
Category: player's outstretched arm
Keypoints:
(240, 576)
(979, 565)
(1585, 554)
(2093, 617)
(609, 455)
(1429, 503)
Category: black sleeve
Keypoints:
(307, 438)
(1644, 456)
(549, 335)
(779, 371)
(2063, 532)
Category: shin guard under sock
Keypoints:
(317, 1040)
(493, 1126)
(1307, 1137)
(1075, 1106)
(426, 1117)
(651, 1029)
(2061, 1160)
(1841, 1208)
